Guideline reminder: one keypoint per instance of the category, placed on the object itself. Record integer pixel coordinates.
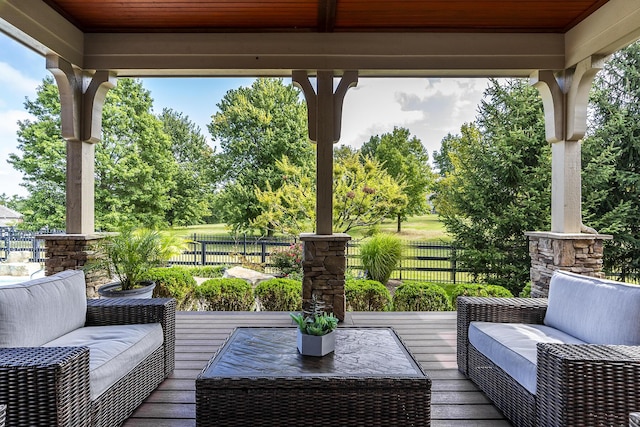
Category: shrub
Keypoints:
(225, 295)
(380, 255)
(475, 290)
(366, 295)
(287, 260)
(207, 271)
(174, 282)
(416, 296)
(526, 291)
(279, 295)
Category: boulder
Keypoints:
(251, 276)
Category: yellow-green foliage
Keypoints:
(418, 296)
(279, 295)
(225, 295)
(380, 255)
(366, 295)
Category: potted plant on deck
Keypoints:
(316, 330)
(129, 256)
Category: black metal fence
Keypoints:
(14, 240)
(423, 261)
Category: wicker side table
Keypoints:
(634, 419)
(3, 409)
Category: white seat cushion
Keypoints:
(594, 310)
(512, 346)
(113, 350)
(38, 311)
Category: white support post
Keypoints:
(82, 96)
(565, 95)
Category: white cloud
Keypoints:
(429, 108)
(12, 79)
(9, 177)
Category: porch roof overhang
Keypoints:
(271, 38)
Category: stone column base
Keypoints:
(579, 253)
(324, 265)
(71, 252)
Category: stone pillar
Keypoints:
(71, 252)
(577, 253)
(324, 265)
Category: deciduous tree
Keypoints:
(255, 127)
(404, 157)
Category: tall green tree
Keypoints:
(611, 161)
(134, 165)
(496, 184)
(404, 157)
(195, 179)
(363, 195)
(255, 127)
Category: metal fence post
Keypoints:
(203, 244)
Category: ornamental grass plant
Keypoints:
(380, 255)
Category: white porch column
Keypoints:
(565, 95)
(325, 121)
(570, 245)
(82, 95)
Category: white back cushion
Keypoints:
(596, 311)
(38, 311)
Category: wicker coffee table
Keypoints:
(258, 378)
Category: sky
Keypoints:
(429, 108)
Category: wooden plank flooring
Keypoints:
(431, 337)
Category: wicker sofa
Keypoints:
(69, 361)
(570, 360)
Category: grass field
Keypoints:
(426, 228)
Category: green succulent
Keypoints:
(315, 321)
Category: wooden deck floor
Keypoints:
(431, 337)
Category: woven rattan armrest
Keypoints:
(500, 310)
(587, 384)
(125, 311)
(45, 385)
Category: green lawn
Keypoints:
(425, 227)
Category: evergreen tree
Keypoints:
(496, 184)
(611, 161)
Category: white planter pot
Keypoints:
(312, 345)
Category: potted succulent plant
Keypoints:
(129, 256)
(316, 330)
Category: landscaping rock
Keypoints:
(251, 276)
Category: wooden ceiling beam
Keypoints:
(327, 15)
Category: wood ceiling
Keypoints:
(534, 16)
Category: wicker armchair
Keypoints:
(577, 385)
(49, 386)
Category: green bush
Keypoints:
(366, 295)
(174, 282)
(417, 296)
(526, 291)
(279, 295)
(380, 255)
(476, 290)
(207, 271)
(225, 295)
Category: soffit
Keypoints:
(530, 16)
